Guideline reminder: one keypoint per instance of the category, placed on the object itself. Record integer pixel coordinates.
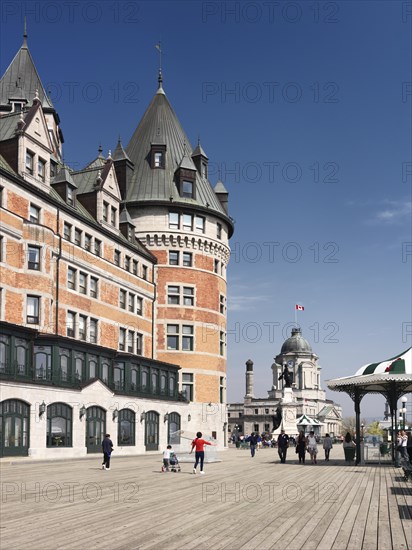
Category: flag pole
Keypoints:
(296, 317)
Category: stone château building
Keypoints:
(310, 408)
(113, 288)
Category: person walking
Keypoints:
(253, 440)
(107, 446)
(327, 446)
(301, 447)
(199, 445)
(312, 445)
(283, 444)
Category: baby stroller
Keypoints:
(174, 465)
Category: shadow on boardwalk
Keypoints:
(240, 503)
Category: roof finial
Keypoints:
(100, 150)
(160, 76)
(25, 33)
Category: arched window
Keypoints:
(95, 429)
(64, 373)
(59, 425)
(118, 375)
(92, 366)
(22, 347)
(155, 382)
(126, 430)
(42, 362)
(105, 369)
(4, 353)
(134, 377)
(78, 366)
(173, 429)
(172, 384)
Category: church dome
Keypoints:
(296, 343)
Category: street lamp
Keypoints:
(362, 427)
(403, 411)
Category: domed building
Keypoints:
(313, 410)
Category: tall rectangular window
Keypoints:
(127, 263)
(113, 213)
(173, 257)
(188, 296)
(29, 161)
(222, 389)
(105, 211)
(222, 341)
(122, 299)
(41, 169)
(187, 222)
(173, 220)
(88, 242)
(93, 331)
(82, 327)
(78, 237)
(67, 231)
(219, 230)
(34, 215)
(33, 310)
(200, 224)
(93, 287)
(216, 266)
(187, 386)
(144, 272)
(134, 267)
(139, 305)
(70, 196)
(82, 283)
(97, 247)
(130, 341)
(131, 302)
(122, 339)
(117, 257)
(222, 304)
(187, 259)
(33, 257)
(71, 278)
(70, 324)
(139, 344)
(187, 189)
(187, 338)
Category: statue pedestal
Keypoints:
(288, 412)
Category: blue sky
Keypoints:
(305, 109)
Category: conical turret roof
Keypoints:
(21, 80)
(160, 123)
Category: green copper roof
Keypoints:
(21, 80)
(161, 125)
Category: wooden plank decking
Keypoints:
(240, 503)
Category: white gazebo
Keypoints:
(391, 378)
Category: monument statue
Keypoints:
(286, 377)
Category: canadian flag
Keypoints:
(299, 308)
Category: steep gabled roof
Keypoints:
(21, 80)
(160, 123)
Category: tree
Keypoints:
(375, 429)
(349, 425)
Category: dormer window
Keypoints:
(41, 168)
(70, 196)
(17, 107)
(187, 189)
(158, 156)
(158, 160)
(204, 170)
(29, 161)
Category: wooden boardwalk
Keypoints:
(240, 503)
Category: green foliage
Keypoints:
(375, 429)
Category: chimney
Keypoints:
(249, 378)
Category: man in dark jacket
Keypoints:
(107, 447)
(283, 444)
(253, 441)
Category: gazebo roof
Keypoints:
(378, 377)
(306, 420)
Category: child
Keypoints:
(166, 458)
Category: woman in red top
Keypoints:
(199, 444)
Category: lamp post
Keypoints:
(403, 411)
(362, 427)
